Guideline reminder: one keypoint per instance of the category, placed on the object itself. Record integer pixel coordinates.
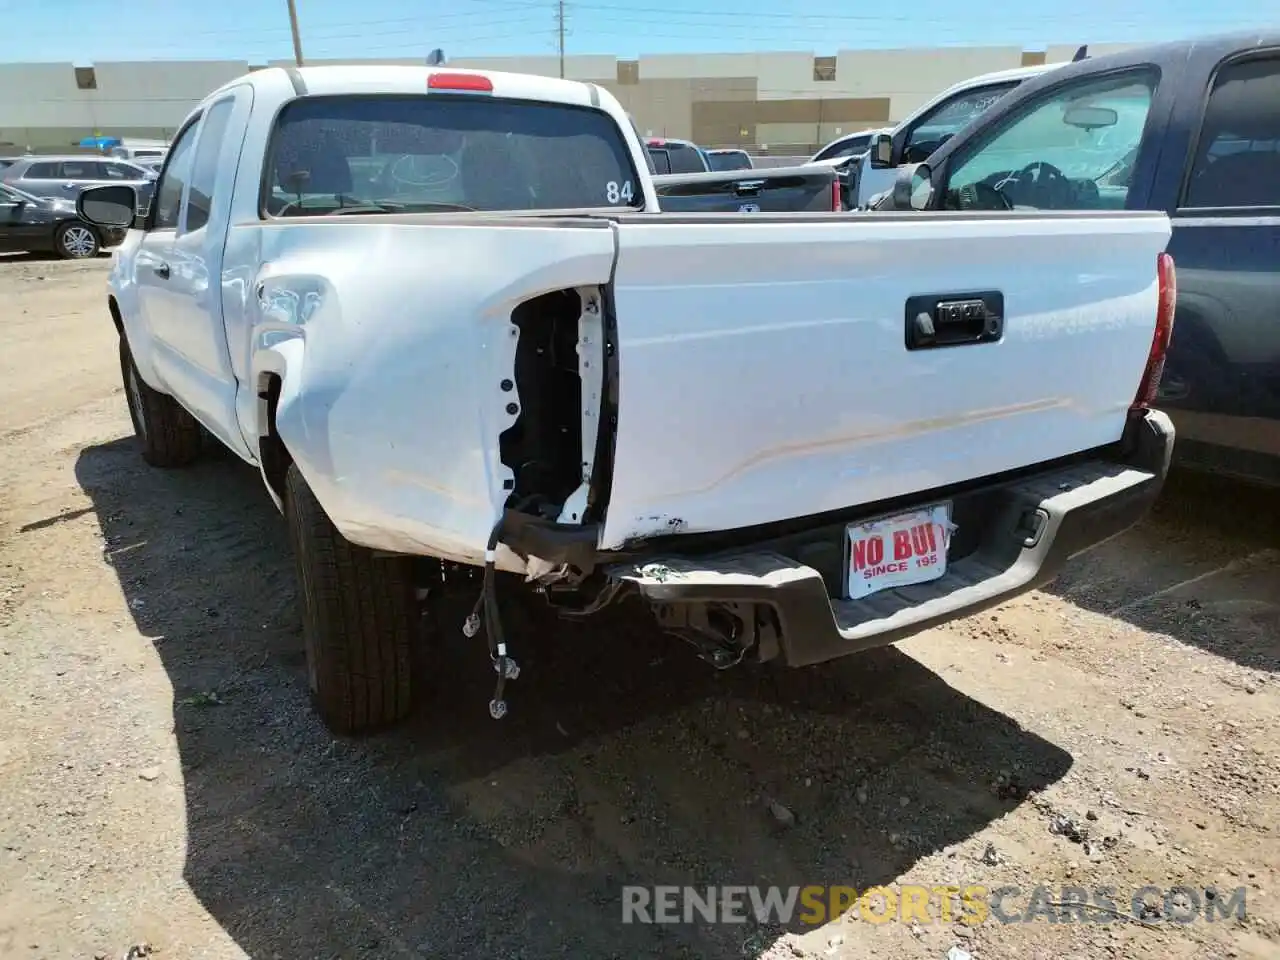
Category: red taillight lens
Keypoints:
(1167, 303)
(459, 81)
(836, 203)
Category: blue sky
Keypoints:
(85, 31)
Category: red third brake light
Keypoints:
(1166, 304)
(460, 81)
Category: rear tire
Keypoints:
(359, 619)
(77, 241)
(169, 435)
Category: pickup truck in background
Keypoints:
(1201, 145)
(925, 130)
(443, 314)
(812, 187)
(704, 190)
(676, 156)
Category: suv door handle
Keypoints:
(162, 271)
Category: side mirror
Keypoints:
(913, 190)
(880, 151)
(111, 206)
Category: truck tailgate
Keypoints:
(764, 371)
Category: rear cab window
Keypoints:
(400, 153)
(673, 156)
(733, 160)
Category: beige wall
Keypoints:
(718, 99)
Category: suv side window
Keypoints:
(41, 171)
(168, 193)
(85, 169)
(1237, 158)
(204, 168)
(1072, 150)
(122, 171)
(948, 118)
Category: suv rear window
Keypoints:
(431, 153)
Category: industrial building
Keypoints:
(783, 102)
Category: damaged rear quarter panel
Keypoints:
(391, 405)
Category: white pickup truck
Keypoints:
(443, 315)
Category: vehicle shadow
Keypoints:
(624, 760)
(1204, 568)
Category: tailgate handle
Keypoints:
(954, 319)
(743, 187)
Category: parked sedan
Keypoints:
(66, 177)
(40, 224)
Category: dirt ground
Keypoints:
(163, 782)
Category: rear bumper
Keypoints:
(1011, 537)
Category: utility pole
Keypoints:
(559, 30)
(293, 25)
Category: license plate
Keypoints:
(898, 551)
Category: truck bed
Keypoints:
(736, 371)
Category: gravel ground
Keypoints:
(164, 786)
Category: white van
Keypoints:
(912, 140)
(135, 150)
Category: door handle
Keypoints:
(954, 319)
(162, 271)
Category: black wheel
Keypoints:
(359, 618)
(169, 435)
(77, 241)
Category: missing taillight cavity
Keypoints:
(557, 388)
(1166, 306)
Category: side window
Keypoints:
(41, 171)
(947, 119)
(122, 171)
(80, 170)
(1072, 151)
(846, 149)
(1237, 159)
(204, 169)
(168, 195)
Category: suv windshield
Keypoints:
(439, 153)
